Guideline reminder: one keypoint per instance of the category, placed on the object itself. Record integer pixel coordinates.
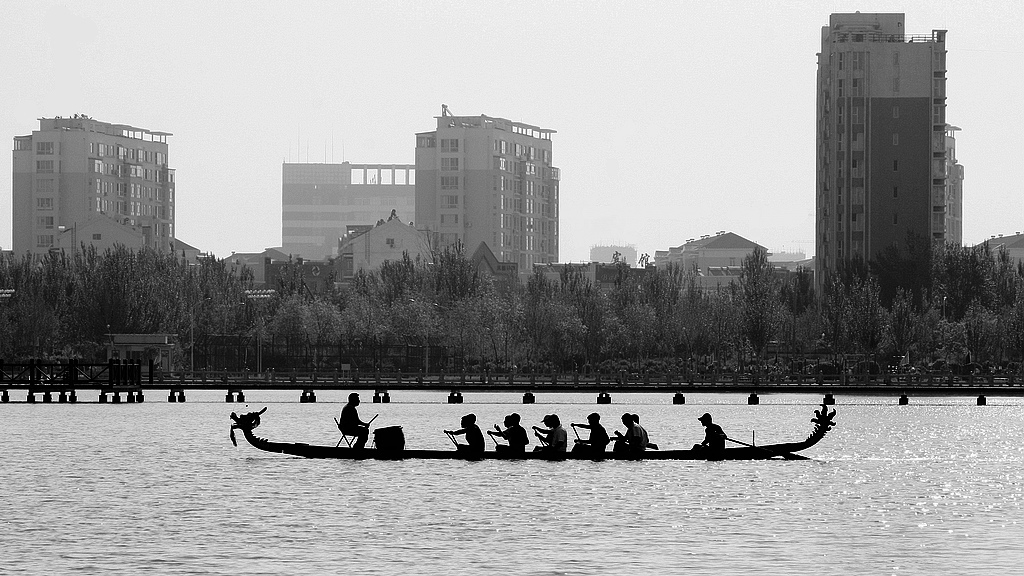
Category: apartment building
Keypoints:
(490, 180)
(882, 141)
(81, 182)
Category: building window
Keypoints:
(390, 242)
(44, 221)
(44, 148)
(895, 84)
(44, 166)
(449, 182)
(449, 201)
(895, 218)
(44, 203)
(895, 111)
(895, 139)
(857, 87)
(895, 191)
(858, 62)
(449, 144)
(895, 165)
(425, 142)
(895, 58)
(449, 163)
(839, 88)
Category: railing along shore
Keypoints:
(117, 377)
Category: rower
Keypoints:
(349, 423)
(474, 437)
(513, 433)
(714, 436)
(634, 440)
(598, 440)
(554, 436)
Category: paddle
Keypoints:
(452, 438)
(786, 455)
(576, 431)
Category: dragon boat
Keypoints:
(389, 444)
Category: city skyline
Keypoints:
(672, 123)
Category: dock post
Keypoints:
(604, 398)
(982, 400)
(103, 398)
(63, 398)
(130, 397)
(529, 398)
(385, 397)
(455, 397)
(240, 396)
(139, 397)
(229, 397)
(679, 398)
(170, 395)
(904, 400)
(47, 398)
(829, 400)
(376, 397)
(4, 397)
(72, 397)
(753, 400)
(31, 399)
(181, 395)
(117, 398)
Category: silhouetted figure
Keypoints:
(474, 437)
(598, 440)
(553, 437)
(513, 433)
(350, 424)
(634, 439)
(714, 436)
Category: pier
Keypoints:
(131, 382)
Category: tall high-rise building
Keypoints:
(491, 180)
(881, 138)
(320, 201)
(81, 181)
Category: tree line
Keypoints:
(947, 308)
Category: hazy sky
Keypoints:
(675, 119)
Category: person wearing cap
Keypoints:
(514, 434)
(598, 440)
(350, 424)
(714, 436)
(474, 437)
(553, 436)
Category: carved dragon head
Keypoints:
(246, 423)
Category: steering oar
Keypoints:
(785, 455)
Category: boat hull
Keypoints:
(246, 423)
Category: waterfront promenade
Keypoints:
(68, 382)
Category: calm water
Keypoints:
(931, 488)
